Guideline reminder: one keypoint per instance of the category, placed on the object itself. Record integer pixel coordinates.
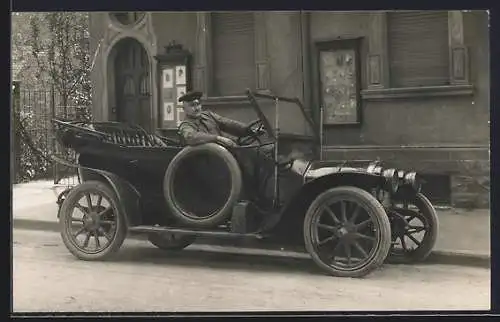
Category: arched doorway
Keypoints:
(132, 84)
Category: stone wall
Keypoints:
(471, 188)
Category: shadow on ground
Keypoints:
(216, 260)
(211, 257)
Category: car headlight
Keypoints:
(411, 178)
(392, 179)
(374, 169)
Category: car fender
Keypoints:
(127, 195)
(324, 178)
(290, 219)
(330, 178)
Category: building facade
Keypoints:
(410, 87)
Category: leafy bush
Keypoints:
(51, 59)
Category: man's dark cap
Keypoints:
(190, 96)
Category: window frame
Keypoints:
(460, 84)
(332, 45)
(112, 16)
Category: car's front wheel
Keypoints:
(347, 232)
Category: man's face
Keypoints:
(192, 108)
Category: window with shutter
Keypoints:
(418, 48)
(233, 52)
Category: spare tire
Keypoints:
(201, 185)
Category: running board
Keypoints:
(193, 232)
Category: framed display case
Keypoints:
(174, 81)
(339, 76)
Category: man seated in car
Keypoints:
(201, 126)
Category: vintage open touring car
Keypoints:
(351, 217)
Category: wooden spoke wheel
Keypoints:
(92, 226)
(347, 232)
(415, 228)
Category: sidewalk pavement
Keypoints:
(463, 238)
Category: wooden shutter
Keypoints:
(418, 48)
(233, 52)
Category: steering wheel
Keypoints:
(255, 129)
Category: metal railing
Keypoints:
(33, 136)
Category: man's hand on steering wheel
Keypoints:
(257, 132)
(256, 128)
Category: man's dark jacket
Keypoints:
(206, 126)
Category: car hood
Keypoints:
(314, 169)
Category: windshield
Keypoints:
(293, 119)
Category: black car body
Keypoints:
(349, 216)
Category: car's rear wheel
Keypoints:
(95, 228)
(169, 241)
(347, 232)
(201, 185)
(415, 227)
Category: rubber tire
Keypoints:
(121, 229)
(236, 185)
(162, 243)
(422, 252)
(371, 204)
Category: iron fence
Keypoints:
(34, 141)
